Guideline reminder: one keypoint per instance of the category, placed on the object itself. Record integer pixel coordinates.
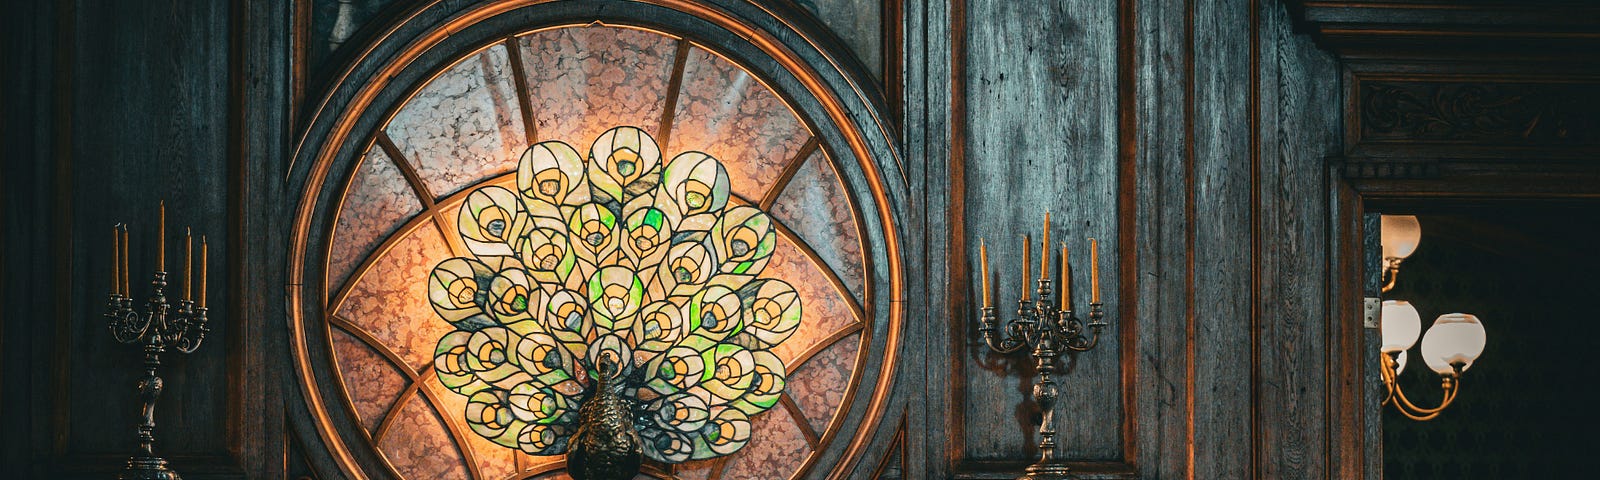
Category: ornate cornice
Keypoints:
(1480, 113)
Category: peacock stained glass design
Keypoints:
(454, 150)
(616, 262)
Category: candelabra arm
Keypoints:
(1015, 338)
(1391, 272)
(1451, 385)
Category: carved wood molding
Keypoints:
(1553, 115)
(1386, 169)
(1383, 27)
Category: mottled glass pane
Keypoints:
(815, 206)
(584, 80)
(826, 310)
(725, 112)
(378, 203)
(819, 384)
(776, 451)
(464, 126)
(390, 303)
(493, 460)
(371, 381)
(418, 445)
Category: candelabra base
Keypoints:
(1047, 470)
(147, 468)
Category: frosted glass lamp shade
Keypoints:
(1454, 338)
(1400, 234)
(1401, 325)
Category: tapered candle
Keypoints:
(188, 264)
(1027, 256)
(161, 238)
(116, 261)
(1094, 271)
(983, 269)
(202, 271)
(1066, 280)
(126, 290)
(1044, 249)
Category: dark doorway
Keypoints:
(1526, 408)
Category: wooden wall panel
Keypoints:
(1222, 251)
(1298, 127)
(138, 102)
(1222, 119)
(1160, 189)
(1040, 135)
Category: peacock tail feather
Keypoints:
(617, 254)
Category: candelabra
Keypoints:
(1049, 331)
(162, 326)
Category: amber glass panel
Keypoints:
(826, 310)
(391, 303)
(819, 384)
(419, 446)
(372, 382)
(815, 206)
(776, 449)
(378, 203)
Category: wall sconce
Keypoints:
(1449, 347)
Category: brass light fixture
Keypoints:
(1449, 347)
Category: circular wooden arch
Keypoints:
(799, 67)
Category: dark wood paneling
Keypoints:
(148, 121)
(1299, 129)
(1161, 249)
(1222, 128)
(1040, 86)
(1221, 175)
(140, 102)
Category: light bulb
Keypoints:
(1454, 338)
(1401, 325)
(1400, 234)
(1400, 363)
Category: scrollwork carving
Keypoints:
(1480, 113)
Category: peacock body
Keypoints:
(613, 262)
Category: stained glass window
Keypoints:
(492, 244)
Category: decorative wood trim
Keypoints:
(893, 53)
(1460, 30)
(956, 218)
(1385, 169)
(1189, 210)
(1256, 243)
(1127, 232)
(1008, 470)
(1483, 113)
